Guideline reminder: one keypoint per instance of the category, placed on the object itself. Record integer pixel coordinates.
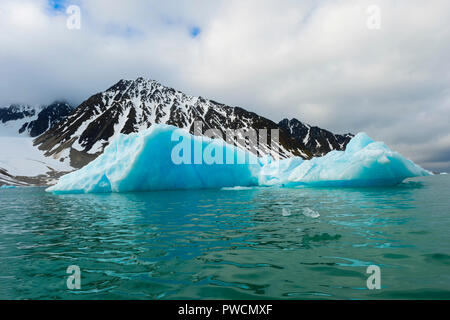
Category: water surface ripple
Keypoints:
(246, 244)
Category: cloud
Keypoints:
(313, 60)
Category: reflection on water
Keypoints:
(228, 244)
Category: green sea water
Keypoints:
(261, 243)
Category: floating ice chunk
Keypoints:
(7, 187)
(144, 161)
(286, 212)
(238, 188)
(308, 212)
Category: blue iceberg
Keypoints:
(153, 160)
(364, 163)
(144, 161)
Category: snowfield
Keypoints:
(20, 158)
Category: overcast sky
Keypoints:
(317, 61)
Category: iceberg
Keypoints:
(153, 160)
(144, 162)
(364, 163)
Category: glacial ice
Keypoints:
(7, 187)
(364, 163)
(144, 162)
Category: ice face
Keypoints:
(151, 160)
(145, 161)
(364, 163)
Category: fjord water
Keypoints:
(245, 243)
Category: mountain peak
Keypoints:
(32, 120)
(130, 106)
(318, 141)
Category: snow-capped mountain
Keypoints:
(133, 105)
(47, 117)
(316, 140)
(29, 120)
(69, 138)
(13, 117)
(21, 163)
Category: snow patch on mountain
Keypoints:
(20, 161)
(14, 117)
(21, 158)
(26, 120)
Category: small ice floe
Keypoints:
(286, 212)
(308, 212)
(444, 173)
(7, 187)
(238, 188)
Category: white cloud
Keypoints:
(314, 60)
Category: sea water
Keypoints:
(236, 243)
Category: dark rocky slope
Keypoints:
(316, 140)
